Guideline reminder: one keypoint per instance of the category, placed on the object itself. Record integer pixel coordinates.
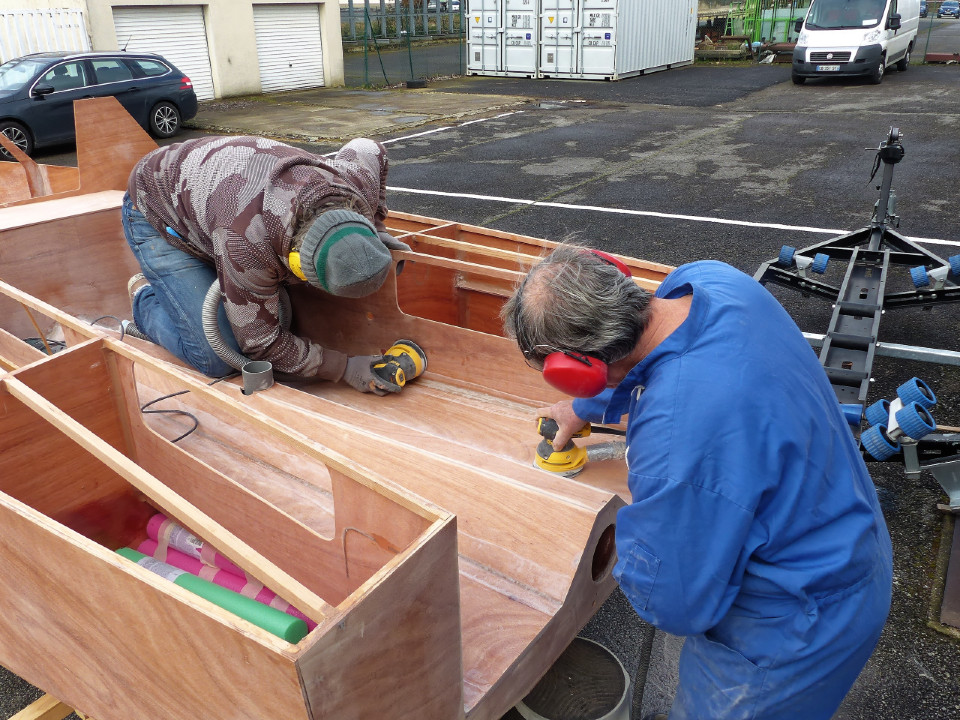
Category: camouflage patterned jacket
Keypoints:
(237, 202)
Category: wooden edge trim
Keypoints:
(486, 232)
(44, 708)
(172, 504)
(68, 205)
(49, 311)
(521, 258)
(433, 228)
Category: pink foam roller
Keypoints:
(160, 527)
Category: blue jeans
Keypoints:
(169, 310)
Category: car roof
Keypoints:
(72, 54)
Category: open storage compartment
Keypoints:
(81, 473)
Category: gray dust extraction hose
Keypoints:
(211, 303)
(613, 450)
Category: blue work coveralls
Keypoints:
(754, 528)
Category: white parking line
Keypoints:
(451, 127)
(650, 213)
(439, 129)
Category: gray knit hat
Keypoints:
(342, 254)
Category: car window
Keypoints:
(150, 68)
(65, 76)
(17, 73)
(110, 70)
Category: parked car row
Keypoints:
(37, 93)
(949, 8)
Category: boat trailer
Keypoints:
(901, 430)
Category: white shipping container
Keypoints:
(588, 39)
(502, 37)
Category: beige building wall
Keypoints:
(230, 38)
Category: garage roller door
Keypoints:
(177, 33)
(288, 46)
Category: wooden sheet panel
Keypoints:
(109, 143)
(84, 272)
(14, 352)
(397, 653)
(77, 381)
(14, 184)
(38, 466)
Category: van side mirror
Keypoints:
(893, 22)
(42, 89)
(798, 25)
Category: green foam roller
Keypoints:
(292, 629)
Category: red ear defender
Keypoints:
(619, 265)
(576, 375)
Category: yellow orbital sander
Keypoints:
(570, 460)
(402, 362)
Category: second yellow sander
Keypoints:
(402, 362)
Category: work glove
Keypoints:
(360, 375)
(392, 243)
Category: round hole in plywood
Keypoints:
(604, 554)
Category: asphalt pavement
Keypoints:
(723, 161)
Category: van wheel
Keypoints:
(797, 79)
(877, 77)
(904, 62)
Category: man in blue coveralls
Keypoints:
(754, 528)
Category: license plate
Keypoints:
(828, 68)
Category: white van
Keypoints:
(855, 37)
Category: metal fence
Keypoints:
(382, 20)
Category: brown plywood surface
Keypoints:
(461, 437)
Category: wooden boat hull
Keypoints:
(534, 550)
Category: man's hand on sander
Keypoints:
(360, 375)
(568, 421)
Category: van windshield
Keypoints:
(838, 14)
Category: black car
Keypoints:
(37, 93)
(949, 8)
(923, 9)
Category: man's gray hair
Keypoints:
(575, 300)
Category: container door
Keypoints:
(520, 37)
(598, 38)
(485, 31)
(558, 52)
